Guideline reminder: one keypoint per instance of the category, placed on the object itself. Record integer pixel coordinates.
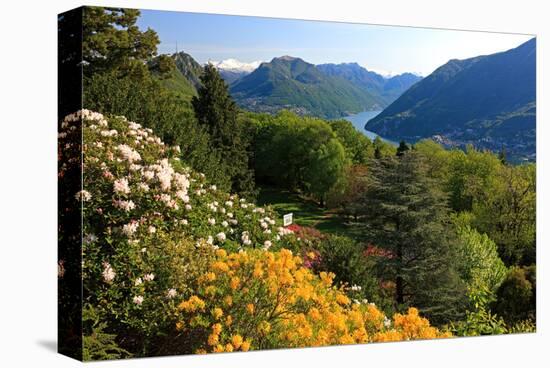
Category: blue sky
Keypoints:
(385, 49)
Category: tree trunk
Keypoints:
(399, 290)
(399, 279)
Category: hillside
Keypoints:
(188, 67)
(385, 89)
(291, 83)
(169, 257)
(488, 101)
(184, 80)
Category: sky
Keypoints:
(388, 50)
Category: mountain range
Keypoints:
(328, 90)
(286, 82)
(387, 89)
(488, 101)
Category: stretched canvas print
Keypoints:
(232, 183)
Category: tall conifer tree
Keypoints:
(218, 113)
(406, 214)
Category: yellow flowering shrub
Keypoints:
(258, 299)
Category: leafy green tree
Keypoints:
(299, 153)
(406, 214)
(111, 41)
(218, 113)
(325, 169)
(354, 186)
(516, 296)
(359, 149)
(382, 148)
(480, 266)
(472, 176)
(437, 158)
(501, 198)
(508, 213)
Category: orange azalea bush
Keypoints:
(260, 300)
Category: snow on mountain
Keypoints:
(235, 65)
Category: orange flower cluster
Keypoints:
(256, 300)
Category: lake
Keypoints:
(359, 120)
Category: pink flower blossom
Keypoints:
(121, 186)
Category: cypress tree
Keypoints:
(406, 214)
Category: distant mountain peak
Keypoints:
(286, 58)
(234, 65)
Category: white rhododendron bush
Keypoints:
(159, 258)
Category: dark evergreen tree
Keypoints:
(406, 214)
(112, 41)
(502, 156)
(218, 113)
(403, 147)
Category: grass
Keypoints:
(306, 212)
(177, 83)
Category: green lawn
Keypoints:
(305, 212)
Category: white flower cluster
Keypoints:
(164, 171)
(109, 133)
(125, 205)
(171, 293)
(108, 272)
(83, 196)
(128, 153)
(120, 186)
(221, 237)
(84, 114)
(130, 228)
(168, 201)
(245, 238)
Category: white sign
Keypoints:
(287, 219)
